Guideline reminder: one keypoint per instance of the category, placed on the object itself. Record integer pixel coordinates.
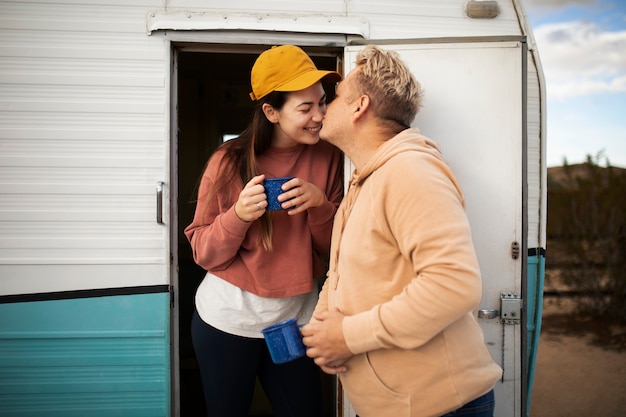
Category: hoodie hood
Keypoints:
(408, 140)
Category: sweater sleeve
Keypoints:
(422, 211)
(216, 232)
(320, 219)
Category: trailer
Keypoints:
(108, 113)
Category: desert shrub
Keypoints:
(587, 217)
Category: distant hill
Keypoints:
(565, 177)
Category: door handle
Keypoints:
(159, 202)
(488, 314)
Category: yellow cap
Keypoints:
(285, 68)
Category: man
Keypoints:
(394, 319)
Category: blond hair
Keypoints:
(395, 94)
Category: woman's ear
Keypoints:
(270, 112)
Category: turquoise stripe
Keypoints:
(536, 274)
(103, 356)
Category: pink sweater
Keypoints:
(229, 247)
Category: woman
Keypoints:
(262, 265)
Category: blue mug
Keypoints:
(273, 190)
(284, 341)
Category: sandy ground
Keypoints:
(581, 367)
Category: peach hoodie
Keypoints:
(404, 272)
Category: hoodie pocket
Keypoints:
(369, 395)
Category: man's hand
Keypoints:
(326, 345)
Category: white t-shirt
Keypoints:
(233, 310)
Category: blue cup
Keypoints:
(284, 341)
(273, 190)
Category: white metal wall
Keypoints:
(84, 137)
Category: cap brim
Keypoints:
(308, 79)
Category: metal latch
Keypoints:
(511, 308)
(488, 314)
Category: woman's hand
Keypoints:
(252, 200)
(300, 196)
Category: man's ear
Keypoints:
(362, 106)
(270, 112)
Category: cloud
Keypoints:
(581, 58)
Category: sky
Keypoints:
(582, 49)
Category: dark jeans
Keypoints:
(229, 366)
(481, 407)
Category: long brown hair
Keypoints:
(241, 153)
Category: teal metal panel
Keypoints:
(536, 274)
(103, 356)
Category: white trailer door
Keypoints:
(473, 107)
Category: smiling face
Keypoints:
(300, 119)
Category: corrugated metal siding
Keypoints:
(84, 138)
(96, 357)
(536, 170)
(260, 8)
(401, 19)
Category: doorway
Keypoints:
(212, 103)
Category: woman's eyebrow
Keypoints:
(309, 103)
